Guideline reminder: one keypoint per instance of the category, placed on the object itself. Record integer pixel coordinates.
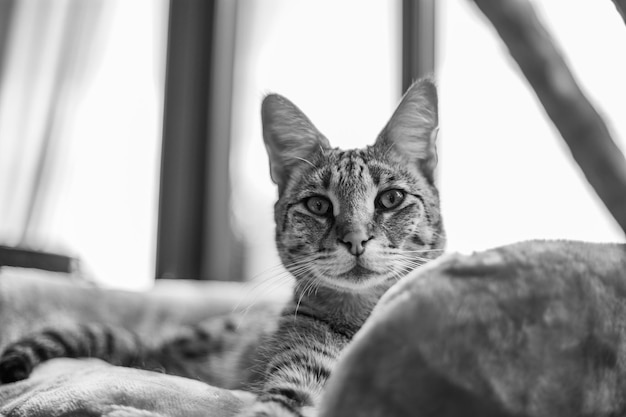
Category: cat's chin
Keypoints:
(358, 272)
(358, 278)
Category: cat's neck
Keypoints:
(347, 310)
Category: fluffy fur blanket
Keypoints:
(30, 299)
(532, 329)
(90, 387)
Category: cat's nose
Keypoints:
(355, 241)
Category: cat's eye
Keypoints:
(390, 199)
(318, 205)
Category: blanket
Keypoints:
(32, 299)
(90, 387)
(532, 329)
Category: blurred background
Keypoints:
(130, 134)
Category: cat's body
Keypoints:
(349, 224)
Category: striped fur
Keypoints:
(83, 340)
(349, 224)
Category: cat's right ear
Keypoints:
(290, 137)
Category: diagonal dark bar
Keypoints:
(579, 123)
(621, 8)
(27, 258)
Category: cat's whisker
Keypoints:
(398, 274)
(256, 276)
(302, 273)
(307, 285)
(294, 269)
(408, 259)
(276, 273)
(277, 282)
(407, 265)
(305, 160)
(295, 314)
(302, 270)
(304, 259)
(316, 282)
(319, 284)
(412, 257)
(413, 263)
(418, 250)
(255, 287)
(290, 267)
(277, 270)
(258, 290)
(251, 299)
(404, 270)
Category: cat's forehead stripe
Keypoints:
(350, 170)
(326, 176)
(375, 174)
(335, 202)
(355, 171)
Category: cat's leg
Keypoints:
(113, 344)
(207, 350)
(184, 352)
(298, 361)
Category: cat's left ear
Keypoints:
(411, 132)
(290, 138)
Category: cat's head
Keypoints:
(360, 218)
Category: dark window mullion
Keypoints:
(181, 222)
(418, 40)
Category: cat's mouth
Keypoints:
(358, 271)
(355, 274)
(358, 278)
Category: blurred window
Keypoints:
(505, 174)
(81, 93)
(90, 168)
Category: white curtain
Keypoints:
(49, 53)
(81, 97)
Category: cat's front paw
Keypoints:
(16, 364)
(271, 408)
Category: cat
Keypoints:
(349, 224)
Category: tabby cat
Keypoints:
(349, 224)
